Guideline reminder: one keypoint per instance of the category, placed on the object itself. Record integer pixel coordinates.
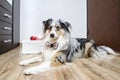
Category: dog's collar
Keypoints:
(53, 45)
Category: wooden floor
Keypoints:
(84, 69)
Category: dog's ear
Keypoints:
(65, 25)
(68, 24)
(47, 22)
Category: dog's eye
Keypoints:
(57, 27)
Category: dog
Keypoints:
(59, 48)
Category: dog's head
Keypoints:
(54, 29)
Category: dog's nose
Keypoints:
(52, 35)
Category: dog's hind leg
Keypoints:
(87, 46)
(108, 50)
(33, 60)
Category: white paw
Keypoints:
(29, 71)
(23, 63)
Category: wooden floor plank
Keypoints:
(81, 69)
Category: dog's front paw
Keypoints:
(23, 63)
(29, 72)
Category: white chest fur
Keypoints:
(49, 53)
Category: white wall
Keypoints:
(33, 12)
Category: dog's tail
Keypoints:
(108, 50)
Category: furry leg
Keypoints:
(88, 45)
(95, 53)
(44, 66)
(29, 61)
(58, 59)
(108, 50)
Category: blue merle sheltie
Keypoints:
(59, 48)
